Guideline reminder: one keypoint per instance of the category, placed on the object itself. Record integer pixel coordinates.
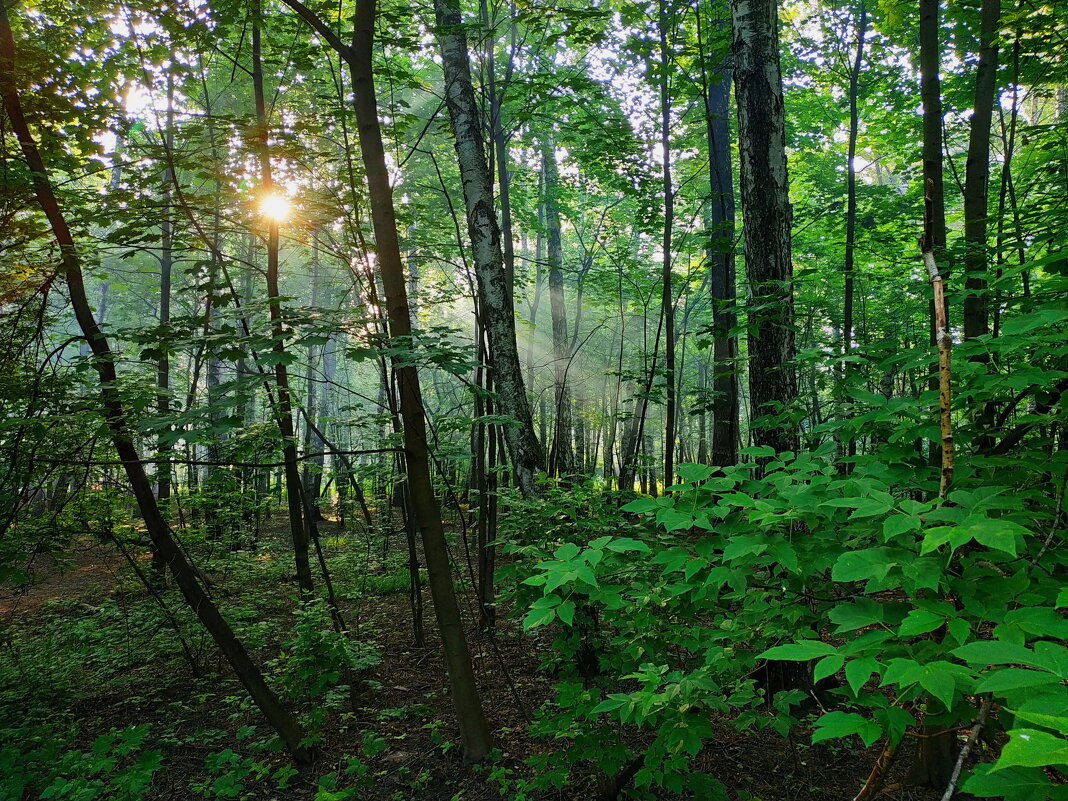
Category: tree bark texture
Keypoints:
(474, 731)
(493, 286)
(767, 215)
(667, 297)
(977, 175)
(562, 456)
(725, 405)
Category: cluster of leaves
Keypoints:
(116, 767)
(316, 657)
(922, 606)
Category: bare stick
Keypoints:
(943, 341)
(984, 710)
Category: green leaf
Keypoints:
(1051, 656)
(1062, 598)
(871, 507)
(566, 612)
(902, 672)
(674, 520)
(937, 678)
(842, 724)
(1018, 784)
(566, 552)
(694, 473)
(896, 525)
(919, 621)
(744, 545)
(538, 617)
(1055, 722)
(624, 544)
(799, 652)
(997, 534)
(614, 701)
(1006, 679)
(873, 563)
(858, 671)
(959, 630)
(938, 536)
(827, 666)
(640, 506)
(1040, 621)
(852, 616)
(1031, 748)
(994, 652)
(895, 722)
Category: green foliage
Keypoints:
(316, 657)
(116, 767)
(918, 605)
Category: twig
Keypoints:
(984, 710)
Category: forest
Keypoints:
(533, 399)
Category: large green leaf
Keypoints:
(1031, 748)
(842, 724)
(1017, 784)
(799, 652)
(873, 563)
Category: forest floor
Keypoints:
(98, 656)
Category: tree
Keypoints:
(474, 731)
(495, 297)
(766, 214)
(562, 456)
(725, 406)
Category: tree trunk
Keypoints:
(474, 731)
(931, 95)
(851, 210)
(163, 364)
(561, 455)
(725, 407)
(766, 209)
(493, 288)
(977, 174)
(313, 467)
(851, 188)
(976, 187)
(667, 297)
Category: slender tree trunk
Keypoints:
(313, 468)
(1008, 140)
(725, 411)
(851, 187)
(861, 20)
(667, 297)
(977, 174)
(493, 289)
(766, 209)
(937, 750)
(284, 412)
(163, 541)
(163, 365)
(561, 456)
(976, 190)
(474, 731)
(931, 95)
(500, 141)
